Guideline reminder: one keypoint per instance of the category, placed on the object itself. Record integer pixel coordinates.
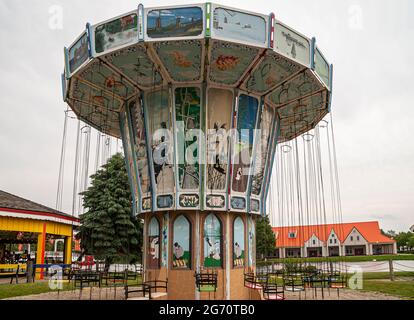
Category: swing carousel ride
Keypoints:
(203, 97)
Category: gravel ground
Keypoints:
(109, 294)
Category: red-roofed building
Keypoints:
(347, 239)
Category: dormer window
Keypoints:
(292, 235)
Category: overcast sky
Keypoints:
(370, 43)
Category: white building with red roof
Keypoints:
(346, 239)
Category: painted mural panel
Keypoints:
(182, 59)
(128, 154)
(159, 123)
(273, 70)
(239, 250)
(292, 44)
(187, 112)
(153, 255)
(78, 53)
(177, 22)
(322, 67)
(212, 242)
(239, 26)
(140, 144)
(262, 150)
(219, 117)
(182, 243)
(135, 64)
(242, 155)
(116, 33)
(229, 61)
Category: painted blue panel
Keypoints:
(78, 53)
(177, 22)
(246, 124)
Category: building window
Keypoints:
(335, 241)
(352, 238)
(181, 243)
(357, 238)
(238, 243)
(292, 235)
(330, 241)
(153, 256)
(314, 242)
(212, 242)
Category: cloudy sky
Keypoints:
(369, 42)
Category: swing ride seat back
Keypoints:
(83, 279)
(294, 282)
(272, 291)
(123, 75)
(251, 282)
(206, 282)
(144, 289)
(338, 281)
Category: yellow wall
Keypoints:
(34, 226)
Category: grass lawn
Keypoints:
(26, 289)
(341, 259)
(401, 287)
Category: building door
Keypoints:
(359, 251)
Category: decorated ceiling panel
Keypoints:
(273, 70)
(101, 119)
(93, 96)
(302, 85)
(294, 126)
(135, 63)
(229, 61)
(182, 59)
(106, 79)
(317, 102)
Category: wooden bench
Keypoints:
(12, 271)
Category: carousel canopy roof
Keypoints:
(152, 48)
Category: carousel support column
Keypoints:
(228, 258)
(197, 250)
(41, 245)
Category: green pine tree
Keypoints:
(265, 238)
(108, 229)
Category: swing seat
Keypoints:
(207, 288)
(274, 297)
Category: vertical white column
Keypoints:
(197, 250)
(228, 258)
(144, 252)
